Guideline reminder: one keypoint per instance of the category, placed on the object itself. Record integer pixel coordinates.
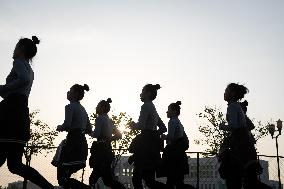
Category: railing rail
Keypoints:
(202, 169)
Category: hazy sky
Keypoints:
(193, 49)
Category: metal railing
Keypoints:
(203, 171)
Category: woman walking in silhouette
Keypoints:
(241, 145)
(101, 150)
(14, 112)
(252, 169)
(146, 147)
(175, 163)
(75, 149)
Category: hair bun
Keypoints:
(178, 103)
(86, 87)
(245, 103)
(243, 89)
(35, 40)
(109, 100)
(157, 86)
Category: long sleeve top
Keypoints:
(104, 127)
(149, 118)
(235, 116)
(19, 80)
(175, 129)
(76, 117)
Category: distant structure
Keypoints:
(19, 185)
(209, 177)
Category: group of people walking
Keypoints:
(237, 151)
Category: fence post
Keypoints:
(278, 165)
(258, 161)
(197, 171)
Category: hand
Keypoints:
(93, 134)
(164, 137)
(59, 128)
(132, 125)
(117, 136)
(222, 126)
(3, 90)
(131, 159)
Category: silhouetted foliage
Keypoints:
(212, 117)
(42, 137)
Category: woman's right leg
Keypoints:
(73, 183)
(109, 179)
(149, 177)
(234, 183)
(137, 179)
(15, 166)
(94, 177)
(63, 176)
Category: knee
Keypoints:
(107, 178)
(2, 161)
(15, 168)
(149, 182)
(108, 182)
(136, 177)
(62, 181)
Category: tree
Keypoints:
(214, 137)
(42, 138)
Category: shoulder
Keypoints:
(234, 106)
(21, 63)
(71, 106)
(82, 108)
(174, 121)
(18, 61)
(146, 105)
(101, 119)
(68, 106)
(149, 105)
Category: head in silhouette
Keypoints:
(174, 110)
(235, 92)
(244, 106)
(103, 106)
(149, 92)
(77, 92)
(26, 48)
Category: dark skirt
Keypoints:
(174, 160)
(75, 150)
(238, 152)
(14, 119)
(101, 155)
(146, 149)
(242, 146)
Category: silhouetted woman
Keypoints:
(175, 163)
(252, 169)
(147, 146)
(14, 112)
(101, 151)
(75, 150)
(240, 142)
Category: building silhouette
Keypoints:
(209, 177)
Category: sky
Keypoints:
(193, 49)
